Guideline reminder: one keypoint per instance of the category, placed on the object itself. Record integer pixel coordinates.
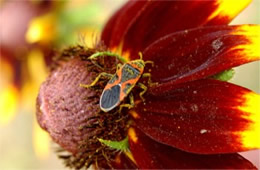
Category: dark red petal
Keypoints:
(150, 155)
(202, 52)
(139, 23)
(204, 116)
(119, 23)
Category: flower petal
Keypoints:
(120, 22)
(204, 116)
(202, 52)
(153, 155)
(139, 23)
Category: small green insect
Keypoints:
(118, 145)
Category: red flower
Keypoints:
(188, 120)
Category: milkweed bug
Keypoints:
(122, 82)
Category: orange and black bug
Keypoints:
(121, 83)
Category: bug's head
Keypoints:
(139, 63)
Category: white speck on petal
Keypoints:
(202, 131)
(194, 108)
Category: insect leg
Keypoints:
(150, 82)
(149, 62)
(142, 86)
(141, 55)
(107, 53)
(118, 66)
(132, 101)
(129, 106)
(148, 75)
(146, 62)
(96, 80)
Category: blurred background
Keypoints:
(30, 30)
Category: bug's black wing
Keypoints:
(110, 98)
(128, 73)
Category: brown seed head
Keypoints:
(71, 114)
(63, 106)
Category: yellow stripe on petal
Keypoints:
(134, 114)
(228, 8)
(119, 50)
(251, 136)
(132, 135)
(251, 48)
(130, 156)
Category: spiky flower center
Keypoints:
(100, 126)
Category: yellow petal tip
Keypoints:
(228, 8)
(250, 49)
(251, 136)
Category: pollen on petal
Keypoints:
(228, 9)
(132, 135)
(251, 34)
(134, 114)
(251, 137)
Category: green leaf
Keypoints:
(224, 75)
(118, 145)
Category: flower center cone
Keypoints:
(71, 114)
